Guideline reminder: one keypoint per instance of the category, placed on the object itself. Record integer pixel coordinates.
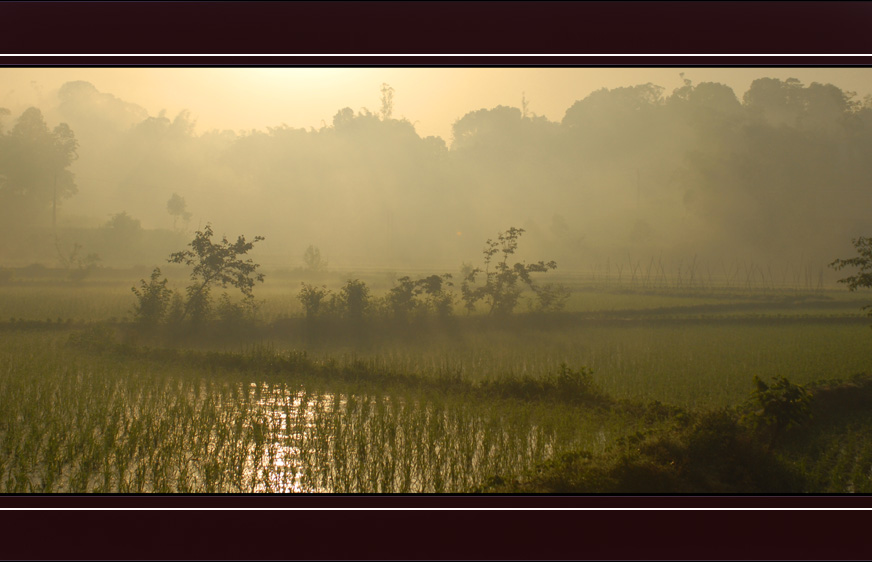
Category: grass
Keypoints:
(107, 295)
(74, 420)
(706, 364)
(474, 404)
(718, 451)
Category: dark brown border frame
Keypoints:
(442, 34)
(440, 27)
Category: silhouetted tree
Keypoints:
(216, 264)
(312, 259)
(353, 300)
(400, 300)
(177, 208)
(503, 282)
(35, 164)
(387, 102)
(426, 295)
(314, 300)
(439, 298)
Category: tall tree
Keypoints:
(35, 162)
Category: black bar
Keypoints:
(511, 535)
(449, 28)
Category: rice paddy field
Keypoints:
(86, 408)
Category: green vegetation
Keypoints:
(728, 450)
(83, 412)
(365, 390)
(96, 416)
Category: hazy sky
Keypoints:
(431, 98)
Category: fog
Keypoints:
(674, 171)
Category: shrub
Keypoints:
(400, 300)
(550, 297)
(313, 299)
(353, 300)
(778, 408)
(153, 299)
(426, 295)
(439, 298)
(577, 385)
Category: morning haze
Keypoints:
(459, 274)
(597, 162)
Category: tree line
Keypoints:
(780, 170)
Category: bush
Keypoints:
(550, 297)
(577, 385)
(153, 300)
(439, 298)
(778, 408)
(314, 300)
(400, 300)
(715, 454)
(428, 295)
(353, 300)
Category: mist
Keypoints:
(774, 175)
(648, 291)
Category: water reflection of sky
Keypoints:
(320, 442)
(291, 437)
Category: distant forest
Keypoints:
(782, 173)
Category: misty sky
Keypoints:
(431, 98)
(600, 163)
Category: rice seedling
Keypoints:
(76, 422)
(438, 409)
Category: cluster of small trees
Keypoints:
(497, 284)
(408, 299)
